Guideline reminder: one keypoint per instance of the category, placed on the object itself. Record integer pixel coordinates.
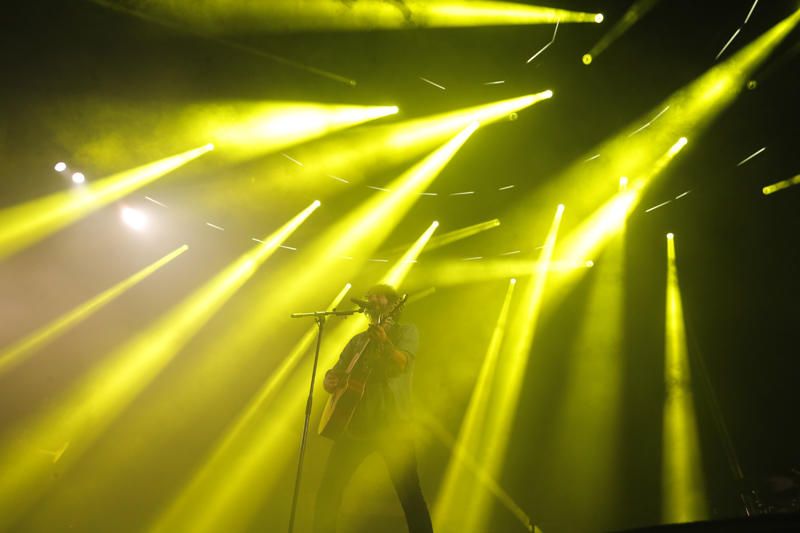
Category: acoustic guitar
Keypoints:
(344, 400)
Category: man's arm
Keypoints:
(333, 376)
(398, 357)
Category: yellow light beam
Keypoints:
(274, 125)
(638, 10)
(683, 485)
(510, 373)
(459, 271)
(466, 461)
(590, 406)
(458, 485)
(779, 186)
(216, 485)
(223, 17)
(404, 264)
(239, 129)
(16, 353)
(81, 415)
(451, 236)
(352, 155)
(22, 225)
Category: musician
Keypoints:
(382, 421)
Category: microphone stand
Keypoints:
(319, 318)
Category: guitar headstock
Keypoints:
(389, 316)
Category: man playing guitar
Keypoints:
(381, 421)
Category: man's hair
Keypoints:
(386, 290)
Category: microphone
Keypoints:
(363, 304)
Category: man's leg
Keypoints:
(345, 457)
(402, 464)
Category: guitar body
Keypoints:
(341, 406)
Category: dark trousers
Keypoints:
(345, 457)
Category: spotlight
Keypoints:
(589, 263)
(133, 218)
(678, 146)
(547, 94)
(587, 59)
(60, 166)
(513, 116)
(623, 183)
(598, 18)
(670, 236)
(752, 84)
(78, 177)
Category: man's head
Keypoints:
(383, 297)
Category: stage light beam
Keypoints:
(22, 225)
(510, 372)
(459, 487)
(349, 157)
(781, 185)
(221, 16)
(408, 259)
(17, 352)
(683, 484)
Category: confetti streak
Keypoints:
(292, 248)
(728, 43)
(748, 158)
(495, 82)
(476, 258)
(433, 83)
(293, 160)
(591, 158)
(512, 252)
(378, 260)
(378, 188)
(337, 178)
(545, 47)
(154, 201)
(646, 125)
(429, 194)
(462, 193)
(662, 204)
(507, 187)
(56, 454)
(682, 195)
(751, 12)
(220, 228)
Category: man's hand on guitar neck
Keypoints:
(398, 358)
(378, 334)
